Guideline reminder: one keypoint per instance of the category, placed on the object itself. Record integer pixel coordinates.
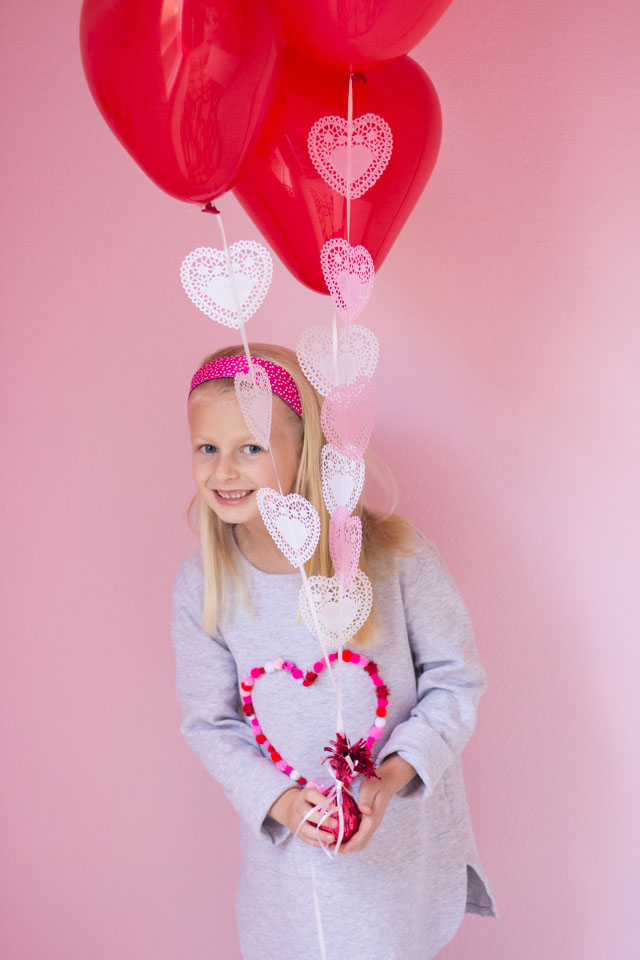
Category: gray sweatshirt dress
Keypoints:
(405, 894)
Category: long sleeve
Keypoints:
(449, 676)
(212, 724)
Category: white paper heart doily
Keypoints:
(207, 283)
(371, 148)
(358, 352)
(292, 521)
(349, 274)
(332, 613)
(253, 390)
(342, 479)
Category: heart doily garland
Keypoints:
(253, 390)
(342, 479)
(306, 679)
(345, 545)
(293, 523)
(371, 148)
(207, 283)
(349, 274)
(347, 417)
(339, 613)
(357, 355)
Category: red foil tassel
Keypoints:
(363, 763)
(351, 814)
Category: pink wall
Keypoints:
(516, 285)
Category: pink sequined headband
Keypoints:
(282, 383)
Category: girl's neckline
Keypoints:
(264, 573)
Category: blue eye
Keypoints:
(253, 448)
(207, 448)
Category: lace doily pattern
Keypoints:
(347, 417)
(345, 544)
(357, 355)
(293, 523)
(371, 149)
(207, 283)
(253, 390)
(349, 274)
(342, 479)
(339, 618)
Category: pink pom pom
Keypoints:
(296, 673)
(319, 666)
(364, 661)
(278, 664)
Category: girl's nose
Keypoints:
(227, 468)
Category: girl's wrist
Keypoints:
(396, 773)
(280, 809)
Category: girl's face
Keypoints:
(228, 465)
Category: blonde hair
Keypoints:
(384, 535)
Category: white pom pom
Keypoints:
(295, 775)
(269, 668)
(381, 721)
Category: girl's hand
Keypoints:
(374, 796)
(294, 804)
(372, 803)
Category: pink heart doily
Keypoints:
(371, 148)
(347, 416)
(306, 680)
(206, 280)
(349, 274)
(345, 544)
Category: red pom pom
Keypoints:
(261, 738)
(371, 667)
(275, 756)
(248, 709)
(381, 712)
(346, 656)
(382, 692)
(309, 678)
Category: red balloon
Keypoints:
(289, 201)
(358, 34)
(186, 87)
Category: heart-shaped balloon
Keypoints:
(353, 35)
(340, 613)
(186, 87)
(345, 544)
(292, 521)
(357, 356)
(349, 273)
(253, 390)
(347, 417)
(294, 208)
(207, 283)
(342, 479)
(368, 144)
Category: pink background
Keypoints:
(508, 318)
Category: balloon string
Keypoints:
(349, 155)
(241, 326)
(334, 337)
(316, 622)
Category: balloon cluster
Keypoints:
(213, 95)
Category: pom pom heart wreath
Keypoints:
(185, 87)
(346, 760)
(286, 197)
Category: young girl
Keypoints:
(400, 886)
